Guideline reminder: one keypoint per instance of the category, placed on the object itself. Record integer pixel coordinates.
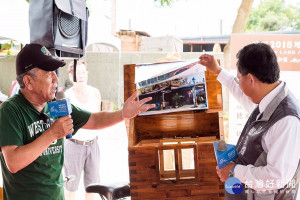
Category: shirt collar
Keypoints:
(269, 97)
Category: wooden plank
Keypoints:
(176, 146)
(178, 192)
(177, 166)
(129, 76)
(147, 194)
(157, 165)
(196, 162)
(214, 91)
(143, 171)
(172, 125)
(161, 162)
(141, 185)
(151, 166)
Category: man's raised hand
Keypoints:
(132, 108)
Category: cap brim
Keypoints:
(51, 64)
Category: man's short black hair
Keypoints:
(259, 60)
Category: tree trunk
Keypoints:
(238, 27)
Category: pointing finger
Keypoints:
(145, 100)
(147, 107)
(133, 96)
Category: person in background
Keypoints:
(31, 141)
(68, 84)
(82, 150)
(15, 87)
(268, 152)
(3, 97)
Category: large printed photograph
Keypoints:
(181, 89)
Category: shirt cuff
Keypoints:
(239, 172)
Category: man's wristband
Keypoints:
(231, 172)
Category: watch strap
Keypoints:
(231, 172)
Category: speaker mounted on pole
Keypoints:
(59, 25)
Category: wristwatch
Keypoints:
(231, 172)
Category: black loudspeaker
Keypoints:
(59, 25)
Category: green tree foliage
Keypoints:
(165, 2)
(273, 15)
(6, 48)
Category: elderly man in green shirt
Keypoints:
(32, 142)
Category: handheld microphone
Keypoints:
(60, 107)
(224, 153)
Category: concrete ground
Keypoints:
(114, 157)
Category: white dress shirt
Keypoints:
(281, 143)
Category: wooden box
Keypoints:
(171, 155)
(130, 41)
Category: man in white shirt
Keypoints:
(268, 148)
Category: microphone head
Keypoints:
(221, 146)
(61, 106)
(60, 95)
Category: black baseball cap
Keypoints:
(36, 55)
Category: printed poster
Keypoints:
(181, 88)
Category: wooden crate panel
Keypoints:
(178, 194)
(147, 195)
(148, 178)
(146, 185)
(171, 125)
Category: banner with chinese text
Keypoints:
(286, 47)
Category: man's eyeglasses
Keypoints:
(237, 80)
(46, 120)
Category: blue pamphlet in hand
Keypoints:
(225, 155)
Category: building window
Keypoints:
(186, 48)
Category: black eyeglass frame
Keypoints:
(46, 119)
(237, 80)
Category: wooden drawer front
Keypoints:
(145, 180)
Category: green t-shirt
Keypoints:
(20, 124)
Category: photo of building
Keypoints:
(179, 92)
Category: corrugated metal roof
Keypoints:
(225, 38)
(205, 39)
